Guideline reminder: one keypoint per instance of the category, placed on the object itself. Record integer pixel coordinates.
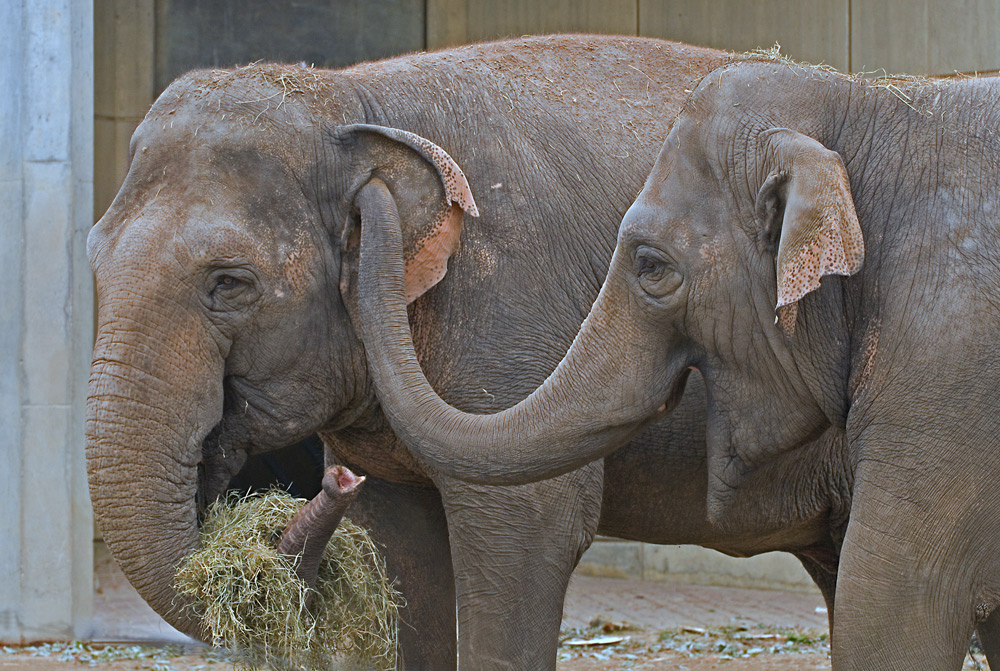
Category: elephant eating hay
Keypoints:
(250, 599)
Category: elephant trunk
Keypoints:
(310, 530)
(151, 402)
(585, 409)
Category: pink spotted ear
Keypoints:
(432, 221)
(820, 234)
(427, 263)
(456, 187)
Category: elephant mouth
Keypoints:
(216, 469)
(224, 449)
(674, 397)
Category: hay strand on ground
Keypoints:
(251, 601)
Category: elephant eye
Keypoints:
(646, 266)
(656, 276)
(229, 289)
(650, 264)
(225, 282)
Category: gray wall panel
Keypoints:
(815, 31)
(329, 33)
(925, 36)
(451, 22)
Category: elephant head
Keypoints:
(711, 266)
(223, 270)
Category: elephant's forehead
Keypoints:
(208, 202)
(183, 241)
(208, 153)
(669, 212)
(175, 228)
(182, 230)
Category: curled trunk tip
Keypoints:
(307, 533)
(341, 481)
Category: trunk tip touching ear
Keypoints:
(437, 240)
(785, 316)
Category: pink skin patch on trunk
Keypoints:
(344, 479)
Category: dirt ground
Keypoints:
(737, 648)
(749, 650)
(609, 625)
(629, 655)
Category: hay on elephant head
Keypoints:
(250, 600)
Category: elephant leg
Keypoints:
(409, 523)
(989, 638)
(821, 565)
(514, 549)
(892, 613)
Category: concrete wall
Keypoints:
(46, 317)
(693, 565)
(123, 88)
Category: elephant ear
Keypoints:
(430, 190)
(807, 194)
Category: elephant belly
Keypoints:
(379, 454)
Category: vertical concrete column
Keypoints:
(11, 311)
(46, 317)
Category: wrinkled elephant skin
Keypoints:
(226, 273)
(824, 250)
(228, 289)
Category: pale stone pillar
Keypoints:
(46, 317)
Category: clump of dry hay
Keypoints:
(902, 86)
(877, 78)
(250, 600)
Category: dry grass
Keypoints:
(252, 602)
(878, 78)
(773, 53)
(902, 86)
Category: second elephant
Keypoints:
(773, 177)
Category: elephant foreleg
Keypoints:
(989, 638)
(514, 549)
(409, 523)
(821, 565)
(892, 614)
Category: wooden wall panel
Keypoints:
(123, 88)
(815, 31)
(925, 36)
(451, 22)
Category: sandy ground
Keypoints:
(631, 654)
(639, 652)
(644, 626)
